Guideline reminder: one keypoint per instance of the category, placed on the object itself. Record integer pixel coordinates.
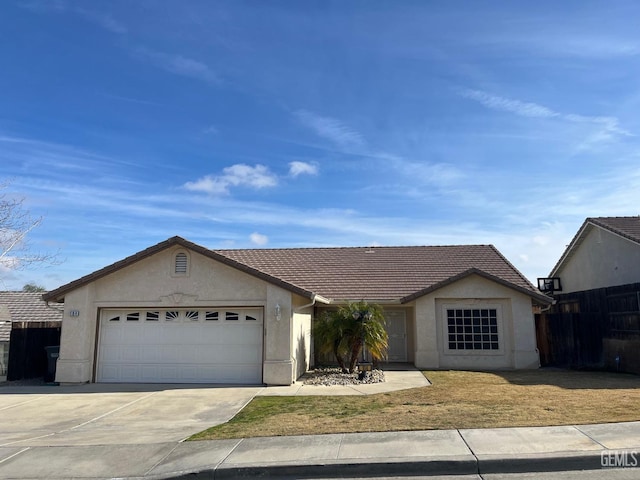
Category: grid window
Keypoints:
(473, 329)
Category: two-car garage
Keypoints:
(180, 345)
(177, 312)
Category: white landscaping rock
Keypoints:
(334, 376)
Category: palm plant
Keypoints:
(346, 331)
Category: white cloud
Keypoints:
(330, 128)
(590, 46)
(211, 130)
(495, 102)
(104, 20)
(607, 127)
(258, 238)
(302, 168)
(240, 174)
(180, 65)
(425, 173)
(258, 176)
(208, 184)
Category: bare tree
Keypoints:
(15, 225)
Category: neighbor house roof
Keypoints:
(628, 227)
(385, 274)
(625, 227)
(25, 307)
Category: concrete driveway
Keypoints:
(106, 414)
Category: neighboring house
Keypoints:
(604, 253)
(596, 319)
(27, 325)
(178, 312)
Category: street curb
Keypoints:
(352, 469)
(568, 461)
(547, 462)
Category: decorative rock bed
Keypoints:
(334, 376)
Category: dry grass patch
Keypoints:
(454, 400)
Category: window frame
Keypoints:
(473, 306)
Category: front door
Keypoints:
(397, 331)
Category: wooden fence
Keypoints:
(592, 329)
(27, 356)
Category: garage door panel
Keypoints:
(130, 354)
(233, 354)
(129, 373)
(151, 353)
(181, 346)
(111, 354)
(129, 333)
(191, 334)
(171, 353)
(111, 336)
(110, 372)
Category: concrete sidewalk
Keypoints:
(443, 452)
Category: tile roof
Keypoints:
(390, 274)
(378, 273)
(30, 307)
(627, 227)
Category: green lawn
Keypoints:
(454, 400)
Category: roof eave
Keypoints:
(475, 271)
(58, 294)
(386, 301)
(575, 241)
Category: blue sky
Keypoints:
(295, 124)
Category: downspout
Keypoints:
(313, 302)
(548, 307)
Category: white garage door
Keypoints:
(210, 345)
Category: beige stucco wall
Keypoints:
(603, 259)
(329, 358)
(278, 366)
(301, 335)
(517, 327)
(151, 282)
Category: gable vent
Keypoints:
(181, 263)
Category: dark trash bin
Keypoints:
(53, 353)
